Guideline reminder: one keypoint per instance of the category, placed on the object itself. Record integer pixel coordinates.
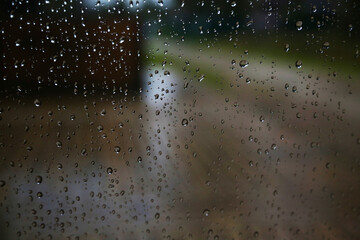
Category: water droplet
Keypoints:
(201, 78)
(326, 45)
(109, 170)
(184, 122)
(314, 9)
(2, 183)
(287, 47)
(59, 166)
(117, 149)
(327, 165)
(298, 64)
(201, 30)
(38, 179)
(299, 25)
(83, 152)
(206, 212)
(59, 144)
(17, 43)
(100, 128)
(37, 103)
(243, 63)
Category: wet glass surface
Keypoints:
(179, 120)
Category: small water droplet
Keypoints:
(117, 149)
(327, 165)
(287, 47)
(17, 43)
(206, 212)
(38, 179)
(100, 128)
(59, 144)
(37, 103)
(326, 45)
(299, 25)
(39, 194)
(2, 183)
(59, 166)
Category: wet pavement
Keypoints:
(256, 160)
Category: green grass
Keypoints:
(338, 58)
(211, 76)
(320, 62)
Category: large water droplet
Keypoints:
(243, 63)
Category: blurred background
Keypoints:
(171, 119)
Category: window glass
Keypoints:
(179, 119)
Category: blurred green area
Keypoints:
(326, 55)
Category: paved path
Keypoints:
(250, 163)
